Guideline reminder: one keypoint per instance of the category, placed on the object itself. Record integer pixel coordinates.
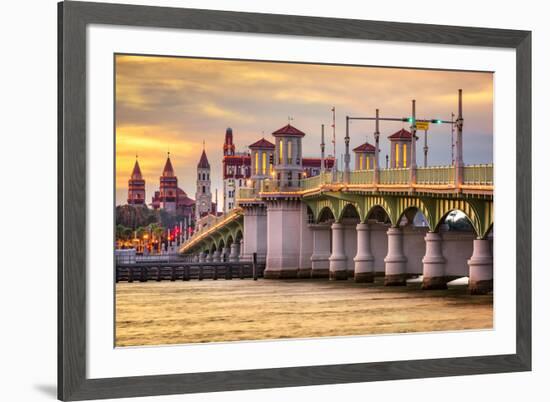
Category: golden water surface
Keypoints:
(156, 313)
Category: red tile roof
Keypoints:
(365, 148)
(263, 144)
(289, 130)
(316, 162)
(401, 135)
(203, 162)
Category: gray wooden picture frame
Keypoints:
(73, 18)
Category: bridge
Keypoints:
(359, 224)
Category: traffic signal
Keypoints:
(271, 159)
(436, 121)
(407, 119)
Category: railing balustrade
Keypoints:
(478, 174)
(435, 175)
(394, 176)
(362, 177)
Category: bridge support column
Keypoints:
(224, 256)
(364, 260)
(321, 251)
(338, 259)
(433, 263)
(395, 261)
(481, 267)
(255, 232)
(350, 244)
(235, 249)
(283, 239)
(216, 256)
(306, 244)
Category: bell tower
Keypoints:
(203, 195)
(168, 187)
(136, 186)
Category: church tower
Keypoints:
(136, 187)
(168, 187)
(228, 146)
(203, 196)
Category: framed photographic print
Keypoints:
(256, 201)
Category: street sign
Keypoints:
(422, 125)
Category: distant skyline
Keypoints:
(173, 104)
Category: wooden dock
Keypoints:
(185, 271)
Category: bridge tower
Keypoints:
(203, 195)
(400, 149)
(136, 186)
(288, 156)
(261, 154)
(364, 157)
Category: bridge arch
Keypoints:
(470, 218)
(229, 239)
(407, 204)
(479, 214)
(239, 234)
(350, 210)
(326, 214)
(380, 211)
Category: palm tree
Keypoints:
(157, 232)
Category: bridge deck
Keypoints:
(174, 271)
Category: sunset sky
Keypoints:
(173, 104)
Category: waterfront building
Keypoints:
(312, 166)
(171, 198)
(136, 186)
(236, 171)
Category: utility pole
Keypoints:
(412, 179)
(322, 151)
(425, 148)
(376, 146)
(459, 163)
(346, 155)
(334, 165)
(452, 139)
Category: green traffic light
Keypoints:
(437, 121)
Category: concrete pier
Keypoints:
(321, 250)
(396, 262)
(433, 269)
(364, 259)
(338, 259)
(481, 267)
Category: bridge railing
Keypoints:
(394, 176)
(312, 182)
(478, 174)
(435, 175)
(247, 193)
(362, 177)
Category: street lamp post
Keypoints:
(346, 155)
(412, 170)
(376, 150)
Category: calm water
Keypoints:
(155, 313)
